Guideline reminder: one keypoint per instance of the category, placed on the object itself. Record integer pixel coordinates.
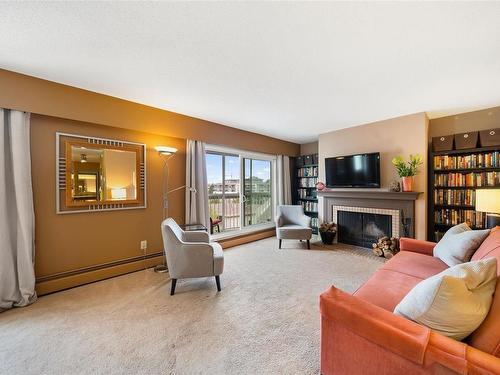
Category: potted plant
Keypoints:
(407, 169)
(327, 232)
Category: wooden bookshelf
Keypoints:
(305, 177)
(454, 178)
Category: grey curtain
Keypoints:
(17, 219)
(284, 182)
(196, 184)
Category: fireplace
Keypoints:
(362, 228)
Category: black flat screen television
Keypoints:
(361, 170)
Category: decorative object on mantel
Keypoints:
(327, 232)
(407, 169)
(320, 185)
(395, 186)
(386, 247)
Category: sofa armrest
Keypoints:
(398, 337)
(396, 334)
(416, 246)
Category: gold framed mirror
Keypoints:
(98, 174)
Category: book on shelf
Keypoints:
(308, 182)
(307, 172)
(456, 216)
(308, 194)
(310, 206)
(471, 179)
(480, 160)
(314, 222)
(451, 197)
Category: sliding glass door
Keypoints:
(240, 189)
(257, 192)
(223, 175)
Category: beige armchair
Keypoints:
(190, 254)
(293, 224)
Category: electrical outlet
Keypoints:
(144, 245)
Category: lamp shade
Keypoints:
(488, 200)
(166, 150)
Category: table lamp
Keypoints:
(488, 200)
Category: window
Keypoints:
(240, 189)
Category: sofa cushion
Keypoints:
(487, 336)
(459, 244)
(490, 248)
(454, 302)
(386, 288)
(415, 264)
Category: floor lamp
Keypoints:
(166, 153)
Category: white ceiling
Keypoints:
(289, 70)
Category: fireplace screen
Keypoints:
(362, 228)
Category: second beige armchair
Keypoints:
(293, 224)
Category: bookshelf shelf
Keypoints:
(304, 186)
(477, 150)
(464, 170)
(467, 187)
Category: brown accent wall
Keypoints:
(465, 122)
(44, 97)
(398, 136)
(73, 249)
(79, 241)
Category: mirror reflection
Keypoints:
(103, 174)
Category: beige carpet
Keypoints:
(265, 321)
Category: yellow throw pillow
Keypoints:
(455, 301)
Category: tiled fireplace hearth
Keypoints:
(395, 205)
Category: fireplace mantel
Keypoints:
(369, 194)
(370, 199)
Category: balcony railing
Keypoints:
(228, 208)
(258, 209)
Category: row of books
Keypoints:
(488, 160)
(308, 182)
(467, 179)
(455, 197)
(314, 222)
(454, 217)
(307, 172)
(307, 193)
(310, 206)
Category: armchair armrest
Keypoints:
(416, 246)
(196, 236)
(279, 221)
(305, 221)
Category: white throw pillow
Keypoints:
(455, 301)
(459, 244)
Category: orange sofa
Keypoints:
(361, 335)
